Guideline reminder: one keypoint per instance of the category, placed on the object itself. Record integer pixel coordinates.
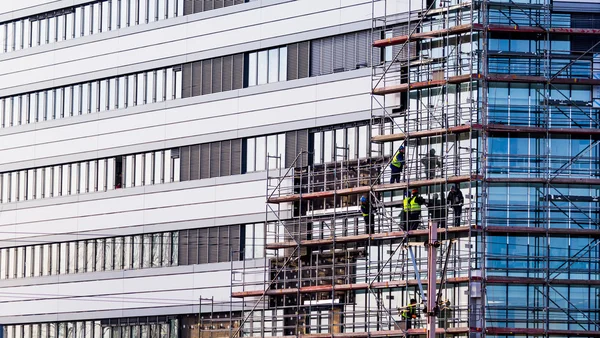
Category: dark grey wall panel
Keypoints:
(341, 53)
(215, 159)
(186, 79)
(197, 6)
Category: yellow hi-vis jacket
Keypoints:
(398, 160)
(410, 204)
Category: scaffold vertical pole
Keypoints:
(432, 245)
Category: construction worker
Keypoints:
(409, 313)
(368, 216)
(414, 205)
(437, 210)
(456, 200)
(405, 212)
(397, 165)
(430, 162)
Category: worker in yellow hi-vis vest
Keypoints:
(409, 313)
(397, 165)
(415, 201)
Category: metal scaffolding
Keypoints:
(325, 274)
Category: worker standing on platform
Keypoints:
(397, 165)
(405, 212)
(437, 210)
(414, 215)
(368, 215)
(456, 200)
(409, 313)
(430, 162)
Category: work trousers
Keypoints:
(396, 173)
(457, 213)
(430, 173)
(414, 220)
(369, 224)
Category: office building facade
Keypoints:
(195, 168)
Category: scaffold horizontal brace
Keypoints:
(382, 236)
(405, 283)
(377, 188)
(425, 133)
(502, 128)
(540, 180)
(542, 231)
(527, 331)
(340, 287)
(405, 87)
(476, 27)
(381, 333)
(540, 281)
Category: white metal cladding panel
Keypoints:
(182, 39)
(11, 5)
(142, 209)
(120, 293)
(309, 102)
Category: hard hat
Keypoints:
(363, 199)
(415, 190)
(401, 148)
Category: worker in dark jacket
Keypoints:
(397, 165)
(430, 162)
(455, 201)
(368, 215)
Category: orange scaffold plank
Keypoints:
(382, 333)
(340, 287)
(382, 236)
(396, 40)
(378, 188)
(494, 128)
(404, 87)
(460, 29)
(424, 133)
(411, 282)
